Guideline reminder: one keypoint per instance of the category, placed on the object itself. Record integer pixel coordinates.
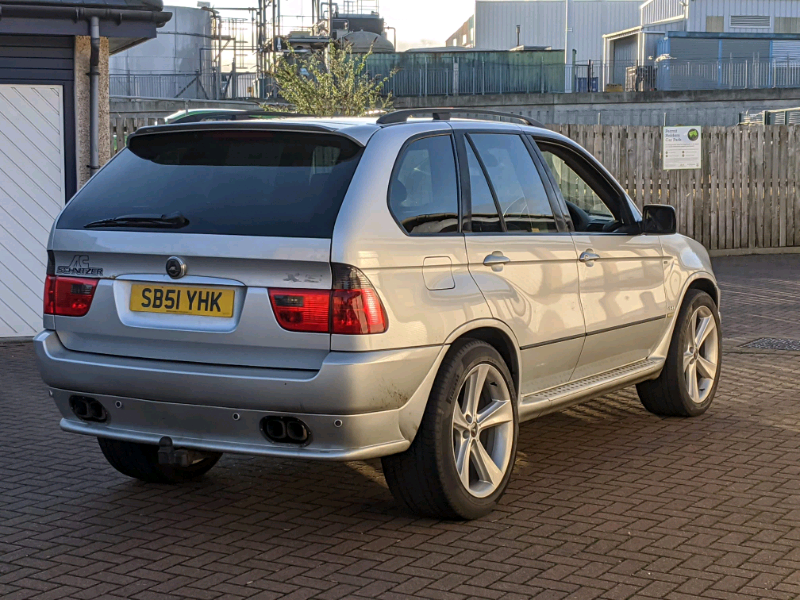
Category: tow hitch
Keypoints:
(177, 457)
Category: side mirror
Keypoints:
(659, 219)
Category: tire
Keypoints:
(140, 461)
(426, 477)
(671, 394)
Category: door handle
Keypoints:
(496, 260)
(588, 257)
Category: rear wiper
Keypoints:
(172, 221)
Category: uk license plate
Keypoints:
(182, 300)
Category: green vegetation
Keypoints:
(335, 83)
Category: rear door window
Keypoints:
(423, 193)
(225, 182)
(485, 217)
(517, 186)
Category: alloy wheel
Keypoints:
(701, 355)
(483, 430)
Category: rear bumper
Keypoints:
(347, 383)
(359, 405)
(333, 437)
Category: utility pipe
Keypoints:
(94, 95)
(27, 11)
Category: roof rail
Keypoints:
(444, 114)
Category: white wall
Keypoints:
(700, 9)
(542, 24)
(657, 11)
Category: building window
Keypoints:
(715, 24)
(787, 25)
(750, 21)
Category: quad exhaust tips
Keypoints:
(285, 430)
(88, 409)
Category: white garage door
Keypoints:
(31, 196)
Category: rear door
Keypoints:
(523, 262)
(259, 210)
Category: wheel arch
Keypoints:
(700, 280)
(704, 284)
(497, 335)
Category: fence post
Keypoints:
(774, 73)
(786, 84)
(541, 76)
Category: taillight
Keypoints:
(356, 312)
(356, 307)
(302, 310)
(68, 296)
(352, 307)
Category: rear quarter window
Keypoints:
(256, 183)
(423, 193)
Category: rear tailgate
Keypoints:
(260, 206)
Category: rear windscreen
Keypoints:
(260, 183)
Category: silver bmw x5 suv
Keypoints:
(410, 287)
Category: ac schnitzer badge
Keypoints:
(79, 266)
(176, 268)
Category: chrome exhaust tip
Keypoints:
(285, 430)
(88, 409)
(297, 431)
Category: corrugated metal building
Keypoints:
(725, 16)
(703, 44)
(464, 36)
(182, 46)
(544, 23)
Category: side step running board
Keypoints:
(575, 392)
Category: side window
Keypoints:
(593, 204)
(484, 215)
(518, 189)
(423, 194)
(574, 189)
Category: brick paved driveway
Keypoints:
(607, 501)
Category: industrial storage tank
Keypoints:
(183, 46)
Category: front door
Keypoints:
(621, 271)
(524, 264)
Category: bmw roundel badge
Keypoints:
(176, 268)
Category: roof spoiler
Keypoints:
(251, 125)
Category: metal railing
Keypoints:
(206, 86)
(476, 80)
(672, 74)
(495, 78)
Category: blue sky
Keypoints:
(418, 22)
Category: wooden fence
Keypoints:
(122, 127)
(746, 196)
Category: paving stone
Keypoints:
(607, 501)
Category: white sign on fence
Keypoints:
(682, 148)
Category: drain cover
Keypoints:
(774, 344)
